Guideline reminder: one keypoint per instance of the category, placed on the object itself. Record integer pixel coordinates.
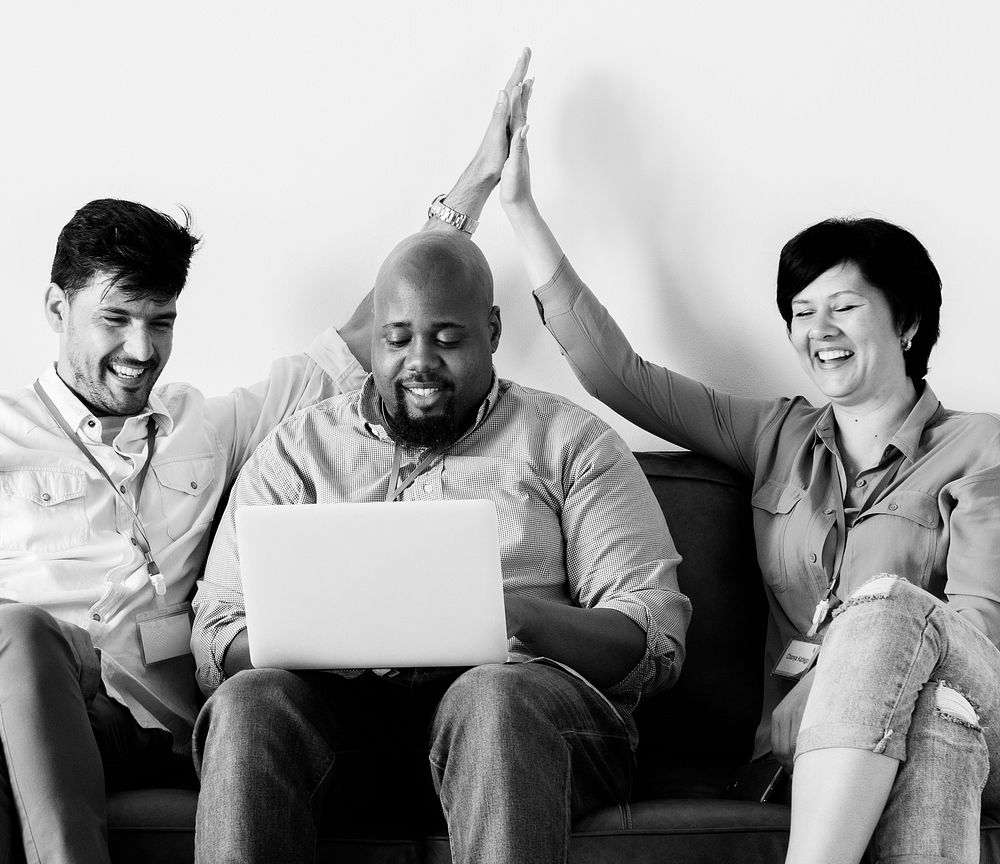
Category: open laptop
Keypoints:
(374, 585)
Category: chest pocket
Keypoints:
(183, 486)
(902, 530)
(774, 516)
(42, 510)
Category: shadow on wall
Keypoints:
(631, 217)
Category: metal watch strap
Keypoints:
(440, 210)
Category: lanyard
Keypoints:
(396, 489)
(823, 607)
(139, 533)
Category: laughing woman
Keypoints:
(877, 516)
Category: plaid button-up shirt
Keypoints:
(578, 522)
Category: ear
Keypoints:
(911, 331)
(56, 307)
(495, 328)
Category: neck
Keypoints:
(864, 431)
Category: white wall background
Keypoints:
(675, 147)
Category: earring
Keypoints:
(906, 343)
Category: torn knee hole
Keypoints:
(951, 705)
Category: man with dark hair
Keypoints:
(108, 488)
(594, 615)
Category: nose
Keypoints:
(822, 326)
(139, 343)
(422, 355)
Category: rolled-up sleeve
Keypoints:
(220, 614)
(620, 555)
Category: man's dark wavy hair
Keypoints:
(889, 257)
(146, 253)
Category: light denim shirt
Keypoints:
(936, 523)
(65, 537)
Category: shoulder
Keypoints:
(337, 415)
(554, 411)
(977, 432)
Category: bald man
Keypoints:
(594, 617)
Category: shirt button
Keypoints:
(860, 482)
(91, 424)
(46, 496)
(828, 511)
(194, 484)
(96, 616)
(134, 542)
(812, 558)
(122, 488)
(893, 506)
(428, 488)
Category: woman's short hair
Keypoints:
(146, 253)
(889, 257)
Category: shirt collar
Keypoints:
(923, 414)
(78, 415)
(370, 407)
(907, 437)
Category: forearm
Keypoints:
(238, 655)
(540, 251)
(603, 645)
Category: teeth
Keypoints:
(423, 391)
(835, 354)
(126, 371)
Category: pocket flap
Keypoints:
(776, 497)
(191, 476)
(916, 506)
(43, 486)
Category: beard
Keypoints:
(422, 431)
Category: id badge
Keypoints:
(798, 657)
(164, 633)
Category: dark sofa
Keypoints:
(694, 737)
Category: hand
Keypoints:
(515, 180)
(786, 719)
(509, 115)
(473, 187)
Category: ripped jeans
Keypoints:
(902, 674)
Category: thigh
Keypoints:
(524, 714)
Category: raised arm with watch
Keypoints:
(459, 210)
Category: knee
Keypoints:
(33, 639)
(245, 713)
(22, 623)
(496, 703)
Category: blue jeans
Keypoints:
(516, 751)
(901, 674)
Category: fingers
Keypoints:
(519, 105)
(520, 68)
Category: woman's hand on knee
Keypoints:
(786, 719)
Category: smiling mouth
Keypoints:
(832, 355)
(126, 372)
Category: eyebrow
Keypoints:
(831, 296)
(436, 325)
(130, 313)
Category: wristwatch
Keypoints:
(440, 210)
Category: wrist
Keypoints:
(520, 210)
